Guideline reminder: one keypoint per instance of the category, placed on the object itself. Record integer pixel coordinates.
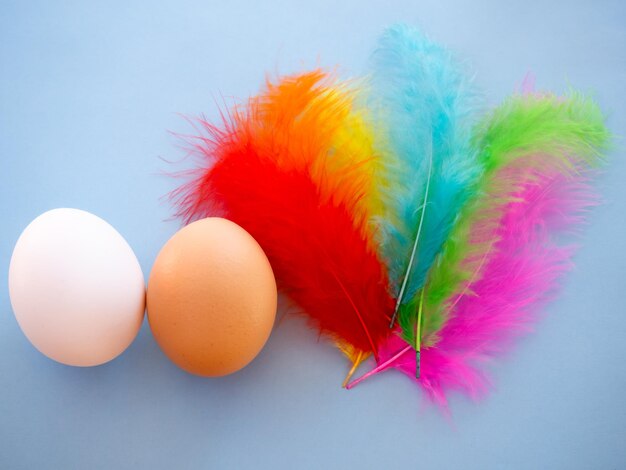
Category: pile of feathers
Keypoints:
(415, 229)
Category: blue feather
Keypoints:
(425, 103)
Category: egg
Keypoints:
(76, 288)
(211, 298)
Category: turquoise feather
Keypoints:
(426, 105)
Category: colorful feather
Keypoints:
(425, 104)
(293, 167)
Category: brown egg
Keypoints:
(211, 298)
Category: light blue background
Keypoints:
(88, 93)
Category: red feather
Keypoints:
(318, 248)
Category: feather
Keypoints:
(293, 168)
(425, 104)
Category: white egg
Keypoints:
(76, 288)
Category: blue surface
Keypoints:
(87, 95)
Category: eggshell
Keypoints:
(211, 298)
(76, 288)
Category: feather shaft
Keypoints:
(418, 334)
(382, 366)
(357, 361)
(415, 243)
